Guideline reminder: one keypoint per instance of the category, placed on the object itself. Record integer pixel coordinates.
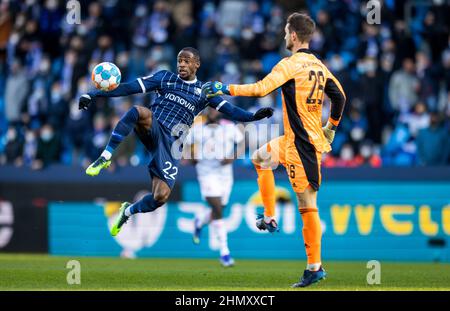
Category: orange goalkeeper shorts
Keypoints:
(302, 165)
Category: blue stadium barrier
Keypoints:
(394, 214)
(399, 221)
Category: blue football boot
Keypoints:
(197, 231)
(310, 277)
(227, 261)
(272, 226)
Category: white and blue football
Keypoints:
(106, 76)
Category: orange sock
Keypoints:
(266, 183)
(312, 235)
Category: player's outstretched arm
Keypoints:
(279, 75)
(124, 89)
(334, 91)
(140, 85)
(238, 114)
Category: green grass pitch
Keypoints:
(43, 272)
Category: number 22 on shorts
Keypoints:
(170, 171)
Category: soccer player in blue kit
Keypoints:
(179, 100)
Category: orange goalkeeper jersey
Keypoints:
(303, 79)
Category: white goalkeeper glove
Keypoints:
(329, 130)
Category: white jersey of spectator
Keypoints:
(214, 143)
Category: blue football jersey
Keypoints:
(178, 101)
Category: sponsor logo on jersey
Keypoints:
(180, 100)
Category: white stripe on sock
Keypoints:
(313, 266)
(128, 211)
(106, 154)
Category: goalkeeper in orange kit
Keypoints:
(303, 80)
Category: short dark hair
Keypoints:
(194, 52)
(303, 25)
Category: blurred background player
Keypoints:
(303, 80)
(179, 100)
(213, 144)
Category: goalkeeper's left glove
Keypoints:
(211, 89)
(329, 131)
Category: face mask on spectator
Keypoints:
(122, 60)
(249, 79)
(83, 87)
(163, 66)
(371, 66)
(39, 92)
(231, 68)
(247, 34)
(11, 135)
(366, 151)
(361, 67)
(47, 135)
(209, 8)
(141, 11)
(44, 67)
(336, 64)
(228, 31)
(157, 55)
(29, 137)
(20, 21)
(446, 58)
(56, 96)
(75, 113)
(51, 4)
(14, 38)
(385, 33)
(82, 30)
(387, 61)
(357, 134)
(346, 153)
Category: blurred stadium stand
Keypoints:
(396, 74)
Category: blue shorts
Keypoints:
(158, 141)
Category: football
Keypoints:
(106, 76)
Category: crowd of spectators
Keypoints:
(396, 74)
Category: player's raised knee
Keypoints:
(144, 113)
(261, 157)
(256, 159)
(145, 117)
(162, 195)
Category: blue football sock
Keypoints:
(122, 129)
(145, 205)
